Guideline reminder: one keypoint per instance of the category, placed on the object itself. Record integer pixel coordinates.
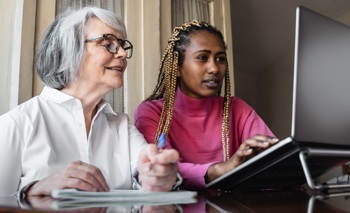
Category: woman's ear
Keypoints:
(178, 73)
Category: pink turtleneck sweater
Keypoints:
(195, 131)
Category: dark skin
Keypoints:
(201, 75)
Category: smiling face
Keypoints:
(101, 70)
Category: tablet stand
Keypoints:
(318, 152)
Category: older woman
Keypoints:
(68, 136)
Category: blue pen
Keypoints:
(160, 145)
(161, 141)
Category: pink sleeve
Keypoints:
(193, 175)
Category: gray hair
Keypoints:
(61, 49)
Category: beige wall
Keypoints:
(27, 53)
(142, 20)
(45, 14)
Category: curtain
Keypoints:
(187, 10)
(116, 6)
(114, 98)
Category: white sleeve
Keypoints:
(11, 143)
(137, 144)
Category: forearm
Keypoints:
(193, 175)
(214, 171)
(218, 169)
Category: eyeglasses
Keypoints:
(112, 44)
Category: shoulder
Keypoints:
(26, 110)
(147, 108)
(20, 121)
(237, 102)
(154, 104)
(238, 105)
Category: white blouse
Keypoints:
(47, 132)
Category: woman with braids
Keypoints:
(213, 134)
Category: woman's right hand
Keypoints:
(250, 147)
(78, 175)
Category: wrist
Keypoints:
(22, 193)
(215, 170)
(138, 185)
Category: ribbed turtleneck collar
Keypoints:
(192, 106)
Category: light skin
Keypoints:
(201, 75)
(100, 73)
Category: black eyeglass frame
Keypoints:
(120, 41)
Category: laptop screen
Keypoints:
(321, 102)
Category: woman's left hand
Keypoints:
(251, 147)
(157, 168)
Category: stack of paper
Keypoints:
(72, 198)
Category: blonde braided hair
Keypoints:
(167, 82)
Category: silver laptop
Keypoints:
(320, 133)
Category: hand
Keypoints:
(77, 175)
(161, 176)
(250, 147)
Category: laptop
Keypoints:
(320, 133)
